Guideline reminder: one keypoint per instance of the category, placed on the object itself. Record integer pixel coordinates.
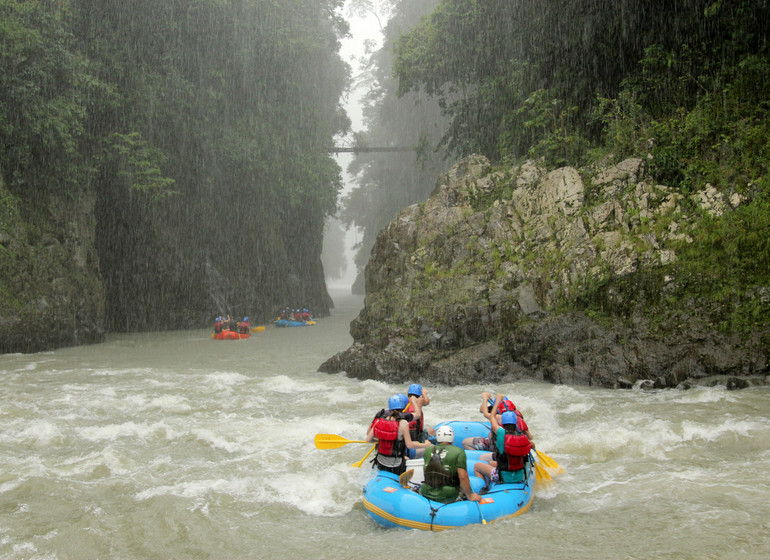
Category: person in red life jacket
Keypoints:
(391, 430)
(486, 408)
(244, 326)
(506, 405)
(306, 315)
(218, 325)
(482, 443)
(512, 447)
(418, 398)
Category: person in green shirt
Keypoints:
(446, 470)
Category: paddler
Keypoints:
(391, 430)
(511, 449)
(446, 470)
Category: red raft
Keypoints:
(227, 334)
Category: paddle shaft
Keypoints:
(331, 441)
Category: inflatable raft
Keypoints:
(227, 334)
(397, 503)
(287, 323)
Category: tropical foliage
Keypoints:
(683, 83)
(203, 127)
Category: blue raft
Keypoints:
(287, 323)
(391, 504)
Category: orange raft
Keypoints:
(227, 334)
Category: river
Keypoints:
(173, 446)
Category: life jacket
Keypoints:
(436, 474)
(416, 425)
(218, 327)
(386, 432)
(506, 405)
(517, 447)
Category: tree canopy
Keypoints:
(202, 126)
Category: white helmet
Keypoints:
(445, 434)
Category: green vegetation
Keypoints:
(202, 128)
(685, 85)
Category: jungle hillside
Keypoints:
(683, 85)
(162, 163)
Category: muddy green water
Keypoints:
(173, 445)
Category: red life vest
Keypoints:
(416, 425)
(386, 432)
(517, 446)
(506, 405)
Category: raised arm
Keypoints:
(493, 415)
(484, 408)
(403, 429)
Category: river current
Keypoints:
(173, 446)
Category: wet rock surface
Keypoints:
(483, 283)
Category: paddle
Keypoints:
(257, 329)
(548, 462)
(361, 462)
(405, 477)
(484, 521)
(541, 475)
(331, 441)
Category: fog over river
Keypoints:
(174, 445)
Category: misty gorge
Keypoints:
(164, 163)
(563, 203)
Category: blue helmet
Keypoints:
(509, 417)
(415, 389)
(245, 319)
(398, 402)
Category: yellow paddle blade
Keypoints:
(331, 441)
(405, 477)
(541, 474)
(361, 462)
(542, 479)
(549, 463)
(257, 329)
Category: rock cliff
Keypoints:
(51, 292)
(497, 276)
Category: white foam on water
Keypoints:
(111, 432)
(195, 489)
(170, 403)
(217, 441)
(225, 380)
(329, 492)
(38, 433)
(285, 385)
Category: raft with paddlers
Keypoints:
(288, 323)
(393, 500)
(226, 328)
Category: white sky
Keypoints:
(352, 52)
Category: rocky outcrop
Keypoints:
(484, 282)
